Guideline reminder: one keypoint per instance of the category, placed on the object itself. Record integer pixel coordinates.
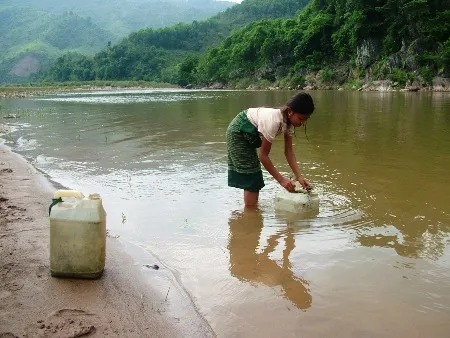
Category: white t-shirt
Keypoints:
(269, 121)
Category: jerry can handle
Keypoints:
(68, 193)
(57, 197)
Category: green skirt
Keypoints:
(244, 167)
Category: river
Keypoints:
(374, 260)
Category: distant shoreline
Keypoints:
(30, 90)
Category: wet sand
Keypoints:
(124, 302)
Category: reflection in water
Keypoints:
(251, 264)
(415, 242)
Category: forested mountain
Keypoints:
(330, 41)
(156, 54)
(46, 36)
(199, 35)
(33, 32)
(401, 40)
(122, 17)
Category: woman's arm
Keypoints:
(264, 151)
(290, 157)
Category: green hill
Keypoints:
(72, 32)
(156, 54)
(12, 19)
(334, 41)
(31, 38)
(125, 16)
(36, 32)
(329, 42)
(203, 34)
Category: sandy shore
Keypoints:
(123, 303)
(18, 92)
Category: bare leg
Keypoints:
(250, 199)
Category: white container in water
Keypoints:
(77, 235)
(298, 201)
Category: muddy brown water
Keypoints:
(373, 261)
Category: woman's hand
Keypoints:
(287, 184)
(305, 184)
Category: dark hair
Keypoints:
(301, 103)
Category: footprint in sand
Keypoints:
(16, 208)
(42, 272)
(7, 335)
(14, 286)
(67, 323)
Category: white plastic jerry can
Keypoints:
(298, 201)
(77, 235)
